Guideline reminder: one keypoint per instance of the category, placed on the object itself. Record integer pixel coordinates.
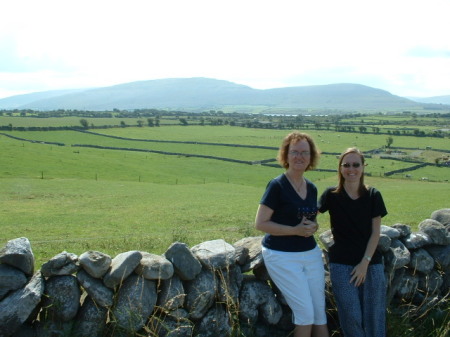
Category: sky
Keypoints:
(401, 46)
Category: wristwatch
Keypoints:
(368, 258)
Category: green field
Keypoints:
(78, 199)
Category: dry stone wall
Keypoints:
(212, 289)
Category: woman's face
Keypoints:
(299, 155)
(352, 167)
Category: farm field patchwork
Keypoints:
(114, 200)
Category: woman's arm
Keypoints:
(264, 224)
(360, 270)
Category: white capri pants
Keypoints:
(300, 276)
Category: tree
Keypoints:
(389, 141)
(84, 123)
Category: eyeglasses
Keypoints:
(347, 165)
(298, 154)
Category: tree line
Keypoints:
(350, 122)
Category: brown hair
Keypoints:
(362, 189)
(293, 138)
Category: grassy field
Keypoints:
(116, 216)
(75, 199)
(79, 199)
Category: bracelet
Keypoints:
(368, 258)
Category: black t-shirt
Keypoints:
(288, 208)
(351, 223)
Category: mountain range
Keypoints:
(202, 94)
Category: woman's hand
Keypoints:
(359, 273)
(263, 223)
(307, 227)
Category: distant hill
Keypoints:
(200, 94)
(433, 100)
(18, 101)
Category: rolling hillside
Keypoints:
(433, 100)
(200, 94)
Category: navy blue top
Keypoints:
(351, 223)
(288, 208)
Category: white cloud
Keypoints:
(399, 46)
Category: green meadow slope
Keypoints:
(77, 199)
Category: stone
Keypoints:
(185, 264)
(397, 256)
(421, 261)
(404, 230)
(430, 283)
(95, 288)
(95, 263)
(62, 298)
(408, 286)
(257, 297)
(171, 324)
(154, 267)
(26, 330)
(10, 279)
(436, 231)
(215, 323)
(62, 264)
(384, 243)
(171, 294)
(47, 327)
(442, 216)
(121, 267)
(241, 254)
(17, 253)
(136, 299)
(200, 294)
(253, 245)
(17, 306)
(90, 320)
(394, 280)
(416, 240)
(441, 255)
(229, 284)
(215, 254)
(327, 239)
(393, 233)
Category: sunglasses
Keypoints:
(347, 165)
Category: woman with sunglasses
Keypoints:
(356, 267)
(287, 213)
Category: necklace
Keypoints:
(294, 185)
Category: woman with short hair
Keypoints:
(287, 214)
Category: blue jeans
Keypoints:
(361, 310)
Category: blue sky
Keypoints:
(401, 46)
